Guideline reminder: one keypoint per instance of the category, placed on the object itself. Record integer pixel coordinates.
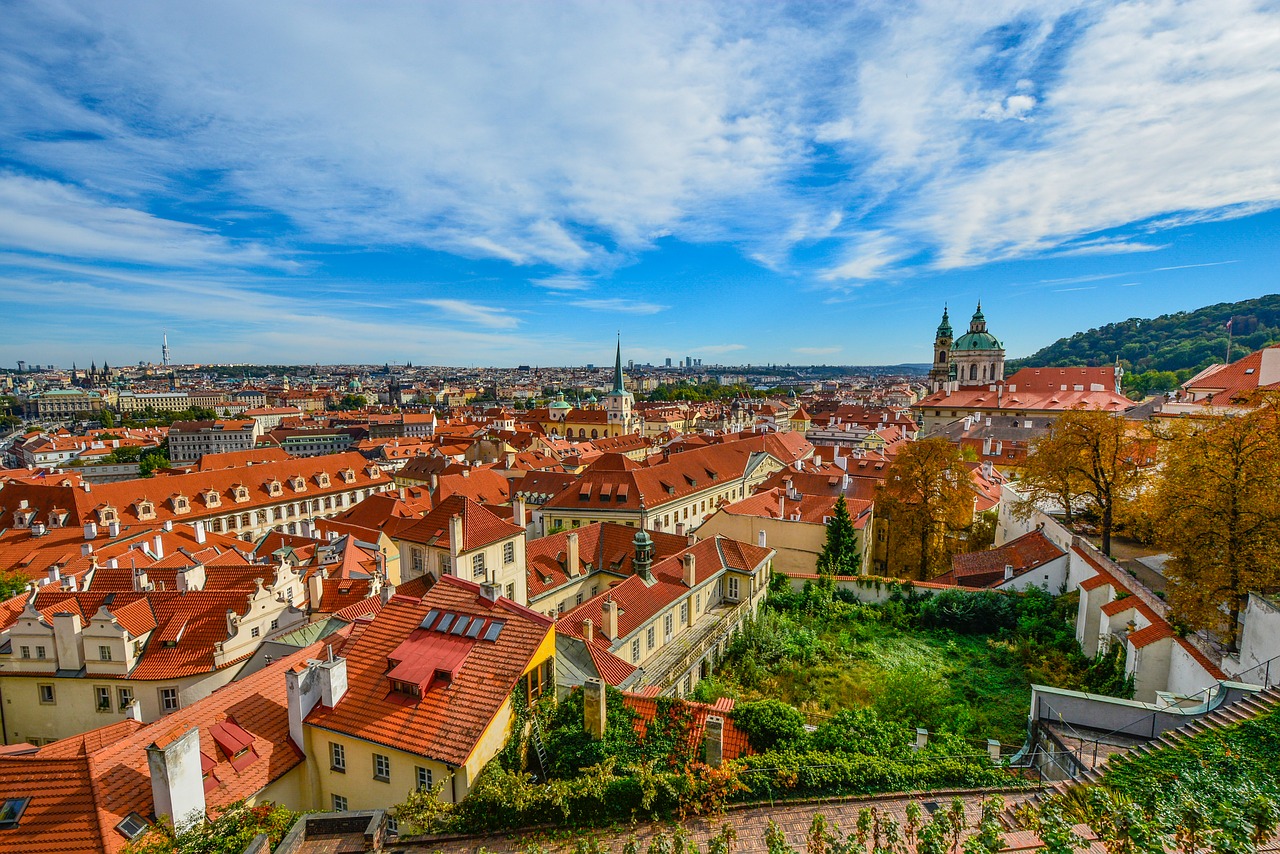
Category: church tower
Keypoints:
(619, 401)
(978, 355)
(938, 374)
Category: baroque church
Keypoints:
(976, 358)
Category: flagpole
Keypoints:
(1230, 332)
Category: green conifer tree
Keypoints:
(840, 554)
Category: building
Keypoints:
(190, 440)
(671, 618)
(1032, 394)
(421, 695)
(64, 403)
(464, 539)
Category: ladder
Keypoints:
(535, 739)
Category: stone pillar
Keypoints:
(993, 750)
(713, 740)
(922, 738)
(594, 708)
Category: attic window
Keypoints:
(180, 504)
(348, 476)
(132, 826)
(1248, 370)
(274, 488)
(407, 688)
(297, 484)
(241, 493)
(11, 811)
(322, 480)
(212, 498)
(495, 629)
(146, 510)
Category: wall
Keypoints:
(1259, 643)
(874, 590)
(798, 544)
(1051, 577)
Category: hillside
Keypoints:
(1158, 352)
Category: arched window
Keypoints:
(973, 372)
(595, 434)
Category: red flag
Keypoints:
(1229, 324)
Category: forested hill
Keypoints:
(1180, 343)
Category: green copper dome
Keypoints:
(560, 402)
(977, 338)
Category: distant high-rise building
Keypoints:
(668, 361)
(164, 351)
(688, 362)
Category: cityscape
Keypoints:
(640, 428)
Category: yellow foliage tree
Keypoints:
(925, 501)
(1089, 460)
(1218, 502)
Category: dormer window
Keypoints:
(240, 493)
(212, 498)
(348, 476)
(297, 484)
(322, 480)
(275, 488)
(11, 811)
(146, 510)
(373, 472)
(107, 515)
(181, 504)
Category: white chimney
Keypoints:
(200, 534)
(86, 549)
(517, 511)
(761, 538)
(113, 530)
(333, 680)
(168, 525)
(455, 539)
(571, 557)
(315, 587)
(68, 642)
(490, 592)
(91, 531)
(54, 574)
(157, 547)
(610, 627)
(713, 740)
(177, 782)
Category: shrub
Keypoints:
(910, 695)
(769, 723)
(976, 612)
(862, 731)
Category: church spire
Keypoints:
(617, 369)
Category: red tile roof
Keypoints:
(986, 568)
(602, 545)
(446, 722)
(735, 742)
(480, 526)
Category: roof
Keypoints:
(480, 526)
(1224, 383)
(735, 742)
(82, 787)
(445, 723)
(987, 568)
(601, 546)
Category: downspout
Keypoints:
(453, 781)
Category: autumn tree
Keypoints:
(925, 501)
(1089, 461)
(1218, 502)
(840, 554)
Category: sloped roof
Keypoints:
(986, 568)
(735, 742)
(601, 546)
(480, 526)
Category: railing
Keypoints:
(1269, 670)
(710, 639)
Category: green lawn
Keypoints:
(915, 663)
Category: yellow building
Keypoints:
(423, 695)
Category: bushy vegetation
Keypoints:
(1185, 341)
(959, 662)
(228, 832)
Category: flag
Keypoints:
(1229, 324)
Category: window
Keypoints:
(382, 768)
(666, 626)
(418, 566)
(648, 638)
(104, 653)
(26, 652)
(132, 826)
(635, 651)
(733, 588)
(477, 565)
(11, 811)
(446, 564)
(103, 696)
(509, 553)
(339, 803)
(40, 652)
(254, 632)
(46, 694)
(684, 612)
(424, 777)
(124, 696)
(511, 591)
(337, 757)
(168, 700)
(578, 599)
(275, 624)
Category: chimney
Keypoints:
(571, 556)
(782, 506)
(491, 592)
(588, 630)
(113, 530)
(68, 642)
(610, 627)
(190, 578)
(455, 540)
(679, 529)
(1008, 571)
(713, 740)
(304, 527)
(168, 525)
(315, 587)
(91, 530)
(761, 539)
(55, 574)
(510, 460)
(200, 535)
(157, 547)
(133, 711)
(333, 679)
(86, 549)
(517, 512)
(387, 591)
(432, 483)
(177, 782)
(594, 708)
(690, 570)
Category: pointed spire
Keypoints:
(944, 328)
(617, 369)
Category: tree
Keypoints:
(925, 500)
(840, 554)
(352, 401)
(107, 419)
(1218, 497)
(1088, 461)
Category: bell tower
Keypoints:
(942, 368)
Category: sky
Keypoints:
(507, 183)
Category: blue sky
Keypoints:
(503, 183)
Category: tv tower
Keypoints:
(164, 351)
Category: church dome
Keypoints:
(976, 341)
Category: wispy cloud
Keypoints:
(563, 283)
(470, 312)
(625, 306)
(1191, 266)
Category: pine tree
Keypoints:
(840, 554)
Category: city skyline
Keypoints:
(500, 185)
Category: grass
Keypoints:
(827, 656)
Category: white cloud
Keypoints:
(623, 306)
(873, 255)
(563, 283)
(470, 312)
